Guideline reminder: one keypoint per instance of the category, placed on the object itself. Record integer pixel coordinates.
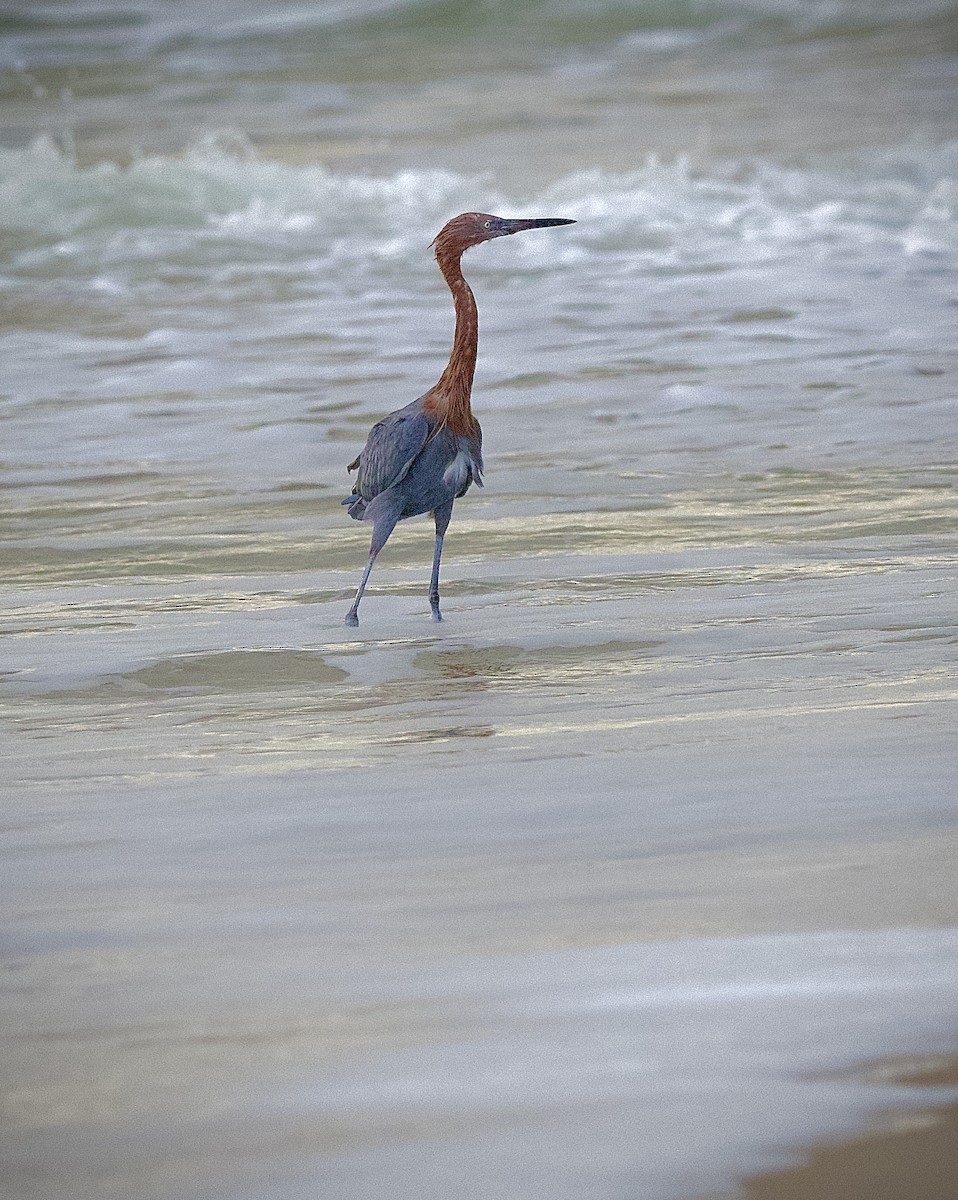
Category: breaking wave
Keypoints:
(668, 213)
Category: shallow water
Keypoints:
(592, 889)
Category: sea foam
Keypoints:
(671, 213)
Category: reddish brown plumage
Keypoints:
(450, 399)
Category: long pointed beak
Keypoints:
(520, 223)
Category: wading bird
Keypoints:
(422, 457)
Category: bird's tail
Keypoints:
(357, 506)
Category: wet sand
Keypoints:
(457, 910)
(915, 1157)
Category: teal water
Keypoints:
(591, 890)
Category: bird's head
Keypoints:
(470, 229)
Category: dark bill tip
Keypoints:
(519, 224)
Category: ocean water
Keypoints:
(604, 886)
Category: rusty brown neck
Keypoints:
(450, 398)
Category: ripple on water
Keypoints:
(517, 667)
(238, 671)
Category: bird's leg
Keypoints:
(352, 617)
(381, 531)
(434, 584)
(442, 516)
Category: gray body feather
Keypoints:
(411, 465)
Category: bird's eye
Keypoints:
(487, 224)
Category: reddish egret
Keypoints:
(422, 457)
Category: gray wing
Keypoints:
(391, 448)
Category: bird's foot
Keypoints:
(352, 619)
(436, 614)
